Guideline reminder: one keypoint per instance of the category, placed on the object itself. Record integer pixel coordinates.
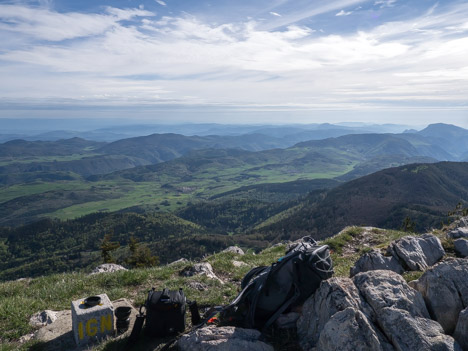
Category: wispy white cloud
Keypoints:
(45, 24)
(182, 59)
(344, 13)
(385, 3)
(311, 10)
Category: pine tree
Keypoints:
(107, 246)
(140, 256)
(408, 225)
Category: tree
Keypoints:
(140, 256)
(107, 246)
(408, 225)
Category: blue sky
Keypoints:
(277, 61)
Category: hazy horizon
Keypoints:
(281, 61)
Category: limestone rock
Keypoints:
(43, 318)
(222, 339)
(200, 268)
(197, 285)
(461, 247)
(334, 295)
(461, 331)
(383, 289)
(108, 268)
(234, 249)
(374, 260)
(239, 263)
(409, 333)
(349, 330)
(461, 232)
(462, 222)
(445, 291)
(417, 253)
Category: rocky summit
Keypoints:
(391, 291)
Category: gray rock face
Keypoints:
(374, 260)
(461, 247)
(234, 249)
(200, 268)
(445, 291)
(383, 289)
(334, 295)
(409, 333)
(223, 339)
(349, 330)
(461, 331)
(461, 232)
(108, 268)
(417, 253)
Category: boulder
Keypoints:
(333, 295)
(461, 232)
(349, 330)
(461, 331)
(381, 289)
(445, 291)
(417, 253)
(234, 249)
(461, 247)
(222, 339)
(462, 222)
(108, 268)
(198, 269)
(43, 318)
(374, 260)
(409, 333)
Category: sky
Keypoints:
(248, 61)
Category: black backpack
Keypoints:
(165, 312)
(270, 291)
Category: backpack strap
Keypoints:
(137, 327)
(287, 303)
(252, 273)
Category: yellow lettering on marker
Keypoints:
(91, 327)
(106, 323)
(80, 330)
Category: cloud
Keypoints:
(385, 3)
(275, 14)
(45, 24)
(343, 13)
(160, 2)
(311, 10)
(186, 60)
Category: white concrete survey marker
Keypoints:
(92, 323)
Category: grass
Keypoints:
(21, 299)
(207, 181)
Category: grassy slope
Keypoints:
(206, 173)
(20, 299)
